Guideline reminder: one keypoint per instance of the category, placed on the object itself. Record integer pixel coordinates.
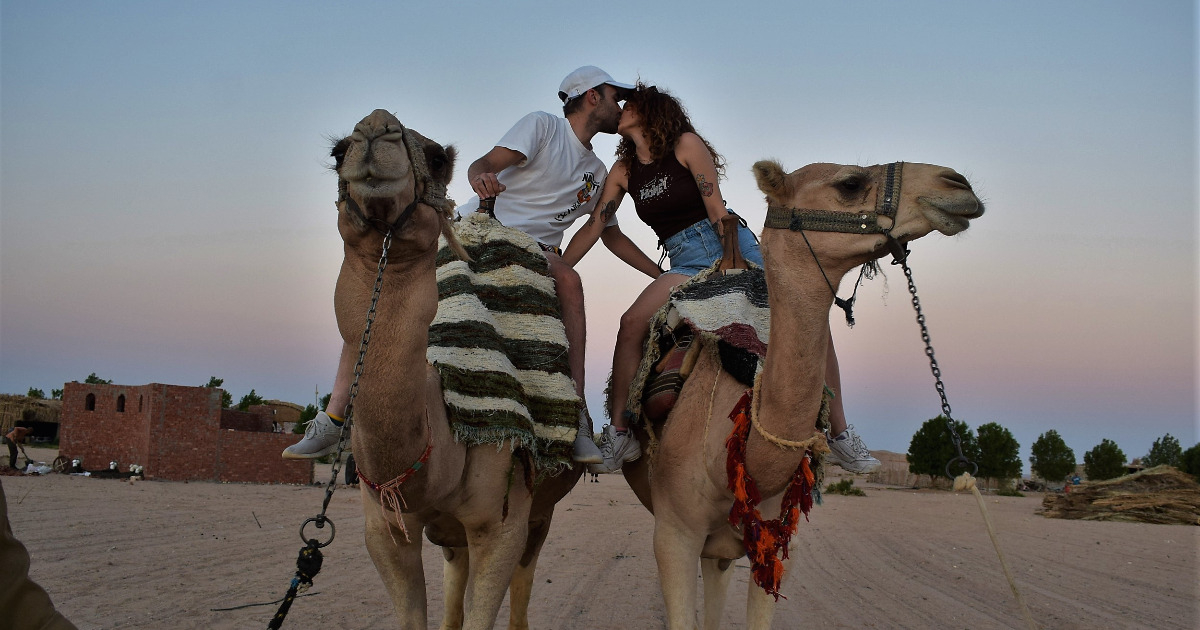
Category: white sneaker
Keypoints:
(616, 448)
(320, 439)
(848, 451)
(586, 451)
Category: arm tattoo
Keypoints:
(609, 210)
(706, 187)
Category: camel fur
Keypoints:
(684, 483)
(475, 502)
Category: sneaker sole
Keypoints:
(321, 453)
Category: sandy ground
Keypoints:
(164, 555)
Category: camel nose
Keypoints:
(955, 180)
(378, 123)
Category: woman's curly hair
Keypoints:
(664, 120)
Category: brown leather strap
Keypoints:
(731, 255)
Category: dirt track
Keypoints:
(162, 555)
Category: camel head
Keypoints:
(829, 202)
(393, 178)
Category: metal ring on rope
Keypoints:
(964, 462)
(320, 521)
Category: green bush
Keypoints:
(1009, 492)
(845, 488)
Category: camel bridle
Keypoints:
(887, 202)
(434, 191)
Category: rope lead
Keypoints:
(308, 564)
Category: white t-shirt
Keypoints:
(558, 181)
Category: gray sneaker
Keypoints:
(586, 451)
(616, 448)
(848, 451)
(320, 439)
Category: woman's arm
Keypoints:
(624, 248)
(610, 199)
(693, 154)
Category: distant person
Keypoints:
(12, 439)
(549, 177)
(23, 604)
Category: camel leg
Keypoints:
(520, 589)
(760, 607)
(715, 573)
(495, 545)
(454, 586)
(398, 562)
(676, 550)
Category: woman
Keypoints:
(671, 173)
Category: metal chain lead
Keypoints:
(321, 519)
(960, 459)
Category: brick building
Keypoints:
(177, 433)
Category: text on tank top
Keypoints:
(665, 195)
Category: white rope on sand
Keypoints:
(966, 481)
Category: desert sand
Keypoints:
(114, 554)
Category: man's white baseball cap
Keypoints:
(584, 79)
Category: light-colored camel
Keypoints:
(390, 177)
(684, 483)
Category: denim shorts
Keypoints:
(697, 246)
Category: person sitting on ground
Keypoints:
(544, 176)
(672, 174)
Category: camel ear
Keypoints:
(772, 180)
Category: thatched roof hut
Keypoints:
(1156, 495)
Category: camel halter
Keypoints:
(434, 195)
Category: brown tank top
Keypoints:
(665, 195)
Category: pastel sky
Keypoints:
(166, 211)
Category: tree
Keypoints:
(249, 399)
(41, 395)
(1105, 461)
(1051, 458)
(56, 394)
(999, 452)
(931, 447)
(1165, 450)
(1190, 462)
(226, 397)
(92, 379)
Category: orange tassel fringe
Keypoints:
(764, 540)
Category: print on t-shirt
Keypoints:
(583, 196)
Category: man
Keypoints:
(13, 438)
(549, 177)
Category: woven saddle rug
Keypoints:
(499, 344)
(727, 310)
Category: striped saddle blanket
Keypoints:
(728, 310)
(499, 344)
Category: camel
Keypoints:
(475, 502)
(684, 483)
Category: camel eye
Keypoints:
(851, 185)
(436, 163)
(339, 151)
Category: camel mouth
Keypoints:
(952, 213)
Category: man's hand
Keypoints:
(486, 185)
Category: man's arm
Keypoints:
(606, 207)
(628, 251)
(482, 172)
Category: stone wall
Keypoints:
(177, 433)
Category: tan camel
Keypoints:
(393, 177)
(684, 483)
